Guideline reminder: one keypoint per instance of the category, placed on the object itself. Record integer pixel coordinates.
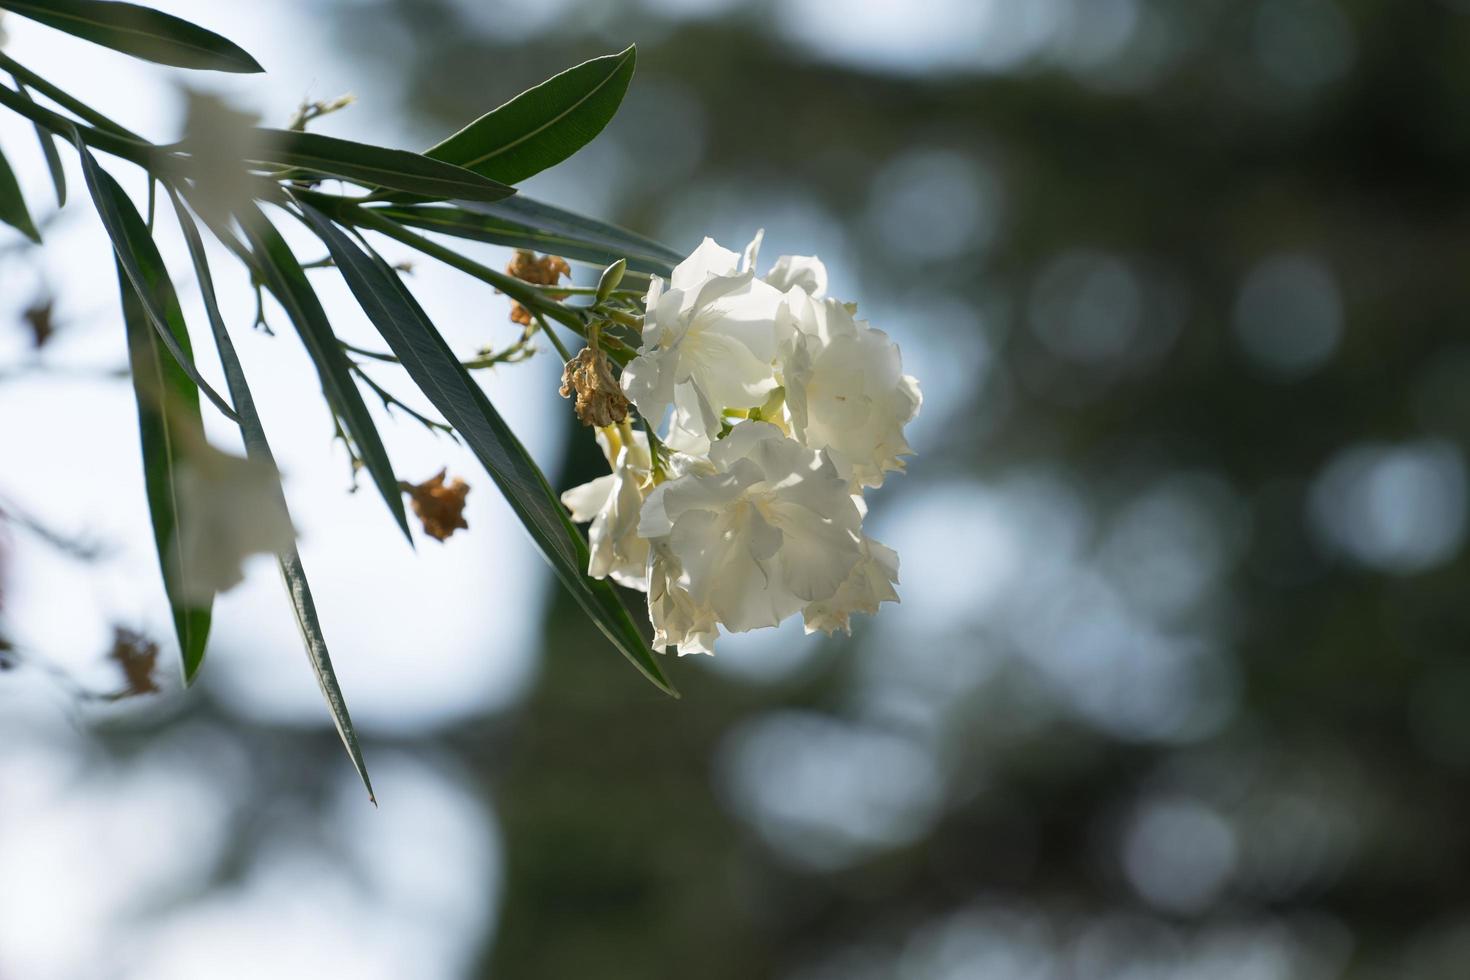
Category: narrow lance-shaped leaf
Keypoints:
(133, 245)
(258, 449)
(13, 210)
(375, 166)
(286, 280)
(170, 428)
(543, 125)
(138, 31)
(48, 149)
(431, 363)
(541, 228)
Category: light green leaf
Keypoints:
(543, 125)
(138, 31)
(170, 428)
(258, 449)
(520, 222)
(434, 368)
(13, 210)
(134, 247)
(286, 280)
(375, 166)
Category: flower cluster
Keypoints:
(779, 408)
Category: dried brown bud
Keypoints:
(137, 657)
(439, 506)
(600, 401)
(544, 271)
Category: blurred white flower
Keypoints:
(709, 343)
(845, 388)
(228, 509)
(612, 503)
(766, 529)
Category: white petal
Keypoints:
(586, 500)
(870, 583)
(709, 259)
(804, 272)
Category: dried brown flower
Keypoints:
(38, 316)
(137, 657)
(600, 400)
(547, 270)
(439, 506)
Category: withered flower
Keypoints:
(438, 505)
(38, 316)
(600, 399)
(547, 270)
(137, 657)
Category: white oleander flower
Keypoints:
(845, 388)
(761, 532)
(612, 503)
(709, 343)
(228, 509)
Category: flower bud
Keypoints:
(611, 276)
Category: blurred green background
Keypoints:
(1179, 684)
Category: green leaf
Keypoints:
(520, 222)
(13, 209)
(544, 125)
(134, 248)
(258, 449)
(48, 149)
(376, 166)
(170, 428)
(138, 31)
(286, 280)
(434, 368)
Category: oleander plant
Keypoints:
(743, 413)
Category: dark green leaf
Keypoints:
(544, 125)
(286, 280)
(138, 31)
(170, 428)
(376, 166)
(134, 247)
(520, 222)
(48, 148)
(13, 209)
(258, 449)
(432, 365)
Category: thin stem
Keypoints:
(486, 358)
(626, 319)
(364, 352)
(561, 348)
(390, 401)
(567, 290)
